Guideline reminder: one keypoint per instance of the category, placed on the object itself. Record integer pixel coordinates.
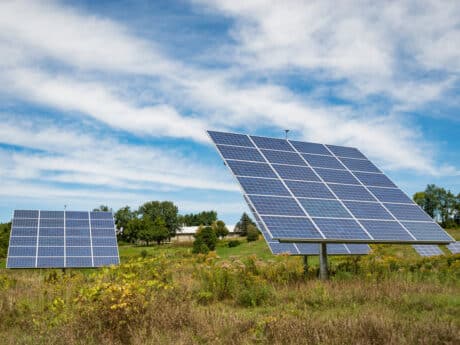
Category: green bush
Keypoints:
(234, 243)
(253, 233)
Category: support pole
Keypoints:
(305, 265)
(323, 273)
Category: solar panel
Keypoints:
(428, 250)
(310, 248)
(454, 247)
(59, 239)
(310, 192)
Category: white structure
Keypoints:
(185, 234)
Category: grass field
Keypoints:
(240, 295)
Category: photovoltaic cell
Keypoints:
(454, 247)
(359, 165)
(319, 172)
(272, 143)
(407, 212)
(342, 151)
(324, 208)
(295, 173)
(428, 250)
(349, 192)
(341, 229)
(309, 189)
(371, 179)
(305, 147)
(322, 161)
(263, 186)
(390, 195)
(48, 241)
(367, 210)
(251, 169)
(279, 206)
(240, 153)
(281, 157)
(230, 139)
(337, 176)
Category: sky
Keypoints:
(108, 102)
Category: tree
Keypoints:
(242, 225)
(122, 217)
(220, 228)
(102, 208)
(164, 209)
(253, 233)
(199, 247)
(160, 231)
(196, 219)
(4, 238)
(205, 236)
(132, 230)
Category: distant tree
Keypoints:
(164, 209)
(242, 225)
(102, 208)
(205, 236)
(132, 230)
(160, 231)
(253, 233)
(199, 247)
(5, 230)
(220, 228)
(201, 218)
(122, 217)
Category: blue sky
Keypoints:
(107, 102)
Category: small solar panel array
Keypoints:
(309, 192)
(428, 250)
(45, 239)
(454, 247)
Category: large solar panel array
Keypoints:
(428, 250)
(309, 248)
(46, 239)
(308, 192)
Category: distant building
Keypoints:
(185, 234)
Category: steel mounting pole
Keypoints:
(323, 273)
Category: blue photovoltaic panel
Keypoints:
(367, 210)
(342, 151)
(324, 208)
(390, 195)
(341, 229)
(322, 161)
(377, 180)
(295, 173)
(272, 143)
(279, 206)
(251, 169)
(407, 212)
(304, 147)
(386, 230)
(349, 192)
(303, 189)
(428, 250)
(323, 187)
(263, 186)
(230, 139)
(47, 241)
(280, 157)
(359, 165)
(454, 247)
(289, 227)
(336, 176)
(240, 153)
(427, 231)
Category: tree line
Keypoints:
(441, 204)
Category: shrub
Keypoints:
(234, 243)
(253, 233)
(205, 240)
(144, 253)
